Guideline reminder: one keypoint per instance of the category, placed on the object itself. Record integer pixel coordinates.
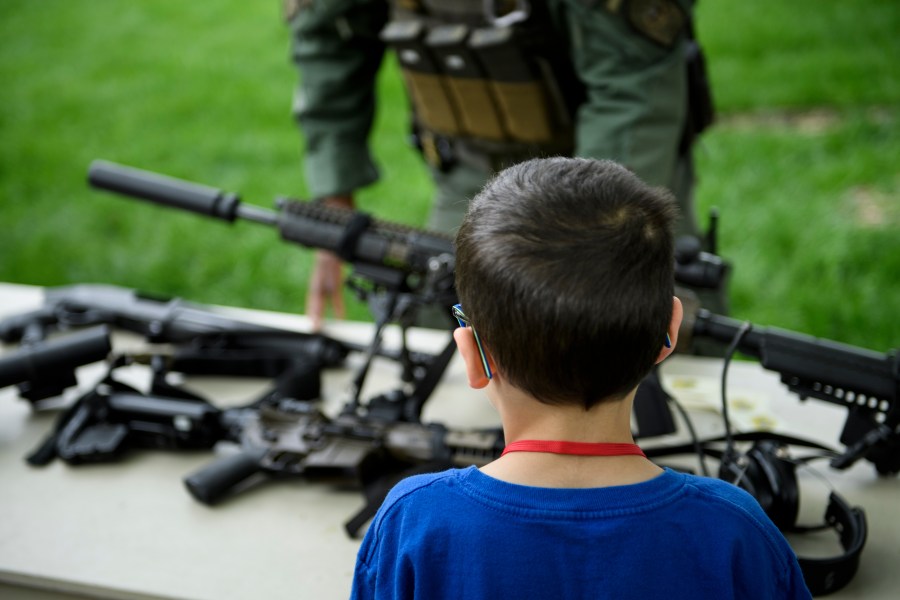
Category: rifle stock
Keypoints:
(865, 382)
(106, 422)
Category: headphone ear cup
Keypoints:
(770, 479)
(781, 478)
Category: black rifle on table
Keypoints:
(72, 327)
(286, 437)
(283, 433)
(159, 320)
(865, 382)
(114, 417)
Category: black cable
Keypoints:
(729, 354)
(695, 439)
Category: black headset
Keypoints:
(768, 473)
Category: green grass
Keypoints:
(809, 206)
(824, 254)
(802, 53)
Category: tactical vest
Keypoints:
(487, 77)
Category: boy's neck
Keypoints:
(525, 418)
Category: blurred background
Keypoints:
(803, 165)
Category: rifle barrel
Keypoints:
(355, 236)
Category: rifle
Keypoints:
(158, 319)
(114, 417)
(387, 254)
(398, 269)
(204, 341)
(287, 437)
(106, 422)
(283, 433)
(865, 382)
(44, 368)
(401, 259)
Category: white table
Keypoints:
(129, 530)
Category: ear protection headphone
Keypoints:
(769, 475)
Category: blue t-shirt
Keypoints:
(461, 534)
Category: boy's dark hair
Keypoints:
(565, 267)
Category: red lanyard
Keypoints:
(575, 448)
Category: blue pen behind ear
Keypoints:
(668, 341)
(464, 322)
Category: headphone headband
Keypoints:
(825, 575)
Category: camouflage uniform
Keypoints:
(628, 57)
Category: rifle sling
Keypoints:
(356, 226)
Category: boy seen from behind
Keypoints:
(565, 275)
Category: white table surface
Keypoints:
(130, 529)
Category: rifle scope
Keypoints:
(45, 369)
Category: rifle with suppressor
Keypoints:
(865, 382)
(386, 254)
(397, 268)
(390, 256)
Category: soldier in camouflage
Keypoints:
(492, 82)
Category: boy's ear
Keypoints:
(674, 324)
(468, 350)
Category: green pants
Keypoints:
(634, 112)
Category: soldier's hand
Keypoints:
(326, 281)
(325, 287)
